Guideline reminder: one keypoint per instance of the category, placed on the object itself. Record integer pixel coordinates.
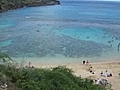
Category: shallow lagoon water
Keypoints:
(70, 32)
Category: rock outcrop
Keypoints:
(14, 4)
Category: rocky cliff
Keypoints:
(14, 4)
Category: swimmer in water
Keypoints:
(118, 47)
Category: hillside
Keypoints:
(14, 4)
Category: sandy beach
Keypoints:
(111, 67)
(82, 70)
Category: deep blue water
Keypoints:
(73, 29)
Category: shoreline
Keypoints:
(50, 61)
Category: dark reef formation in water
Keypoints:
(41, 44)
(14, 4)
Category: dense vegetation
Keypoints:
(58, 78)
(13, 4)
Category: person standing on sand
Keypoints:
(29, 64)
(87, 62)
(84, 62)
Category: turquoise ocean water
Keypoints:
(66, 33)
